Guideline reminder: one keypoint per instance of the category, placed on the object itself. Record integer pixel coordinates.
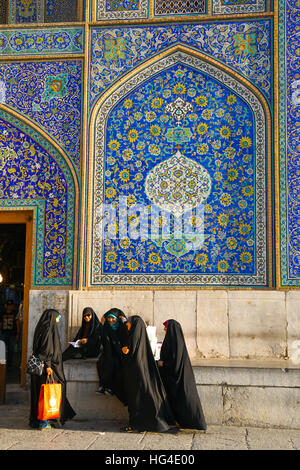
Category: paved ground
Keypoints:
(15, 434)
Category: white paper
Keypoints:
(151, 331)
(75, 345)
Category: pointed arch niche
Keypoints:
(224, 128)
(36, 175)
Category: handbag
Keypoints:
(49, 400)
(34, 365)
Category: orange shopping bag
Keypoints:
(49, 400)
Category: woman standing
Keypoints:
(109, 364)
(87, 338)
(148, 406)
(178, 378)
(46, 346)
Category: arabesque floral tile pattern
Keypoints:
(221, 138)
(41, 41)
(185, 119)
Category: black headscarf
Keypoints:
(92, 347)
(110, 360)
(179, 380)
(46, 342)
(46, 345)
(148, 406)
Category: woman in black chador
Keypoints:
(177, 374)
(46, 345)
(109, 364)
(87, 338)
(148, 406)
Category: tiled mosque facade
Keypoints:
(156, 144)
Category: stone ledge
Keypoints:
(247, 377)
(273, 373)
(263, 363)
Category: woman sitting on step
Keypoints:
(87, 340)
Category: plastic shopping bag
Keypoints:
(49, 400)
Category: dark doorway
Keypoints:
(12, 271)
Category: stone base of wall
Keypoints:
(262, 394)
(249, 393)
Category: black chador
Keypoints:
(148, 407)
(46, 345)
(109, 364)
(179, 380)
(90, 331)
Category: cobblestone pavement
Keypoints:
(15, 434)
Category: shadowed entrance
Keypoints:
(12, 266)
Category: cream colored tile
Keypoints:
(257, 323)
(212, 323)
(180, 306)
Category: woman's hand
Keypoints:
(160, 363)
(125, 350)
(102, 321)
(82, 341)
(49, 371)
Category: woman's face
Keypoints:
(87, 316)
(111, 320)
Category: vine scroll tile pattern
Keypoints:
(32, 173)
(230, 7)
(244, 46)
(121, 9)
(49, 93)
